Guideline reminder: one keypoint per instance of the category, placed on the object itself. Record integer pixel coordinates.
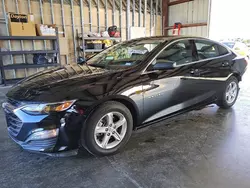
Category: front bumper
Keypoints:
(40, 145)
(40, 133)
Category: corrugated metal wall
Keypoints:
(191, 12)
(66, 14)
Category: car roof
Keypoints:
(168, 38)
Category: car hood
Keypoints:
(55, 84)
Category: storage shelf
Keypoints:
(26, 65)
(56, 50)
(12, 81)
(28, 52)
(28, 38)
(101, 38)
(93, 50)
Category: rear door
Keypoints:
(214, 66)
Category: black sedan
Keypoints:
(97, 104)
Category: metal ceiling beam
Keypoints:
(110, 4)
(94, 3)
(102, 2)
(188, 25)
(178, 2)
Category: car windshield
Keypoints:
(124, 54)
(229, 44)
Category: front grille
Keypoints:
(40, 145)
(43, 143)
(14, 123)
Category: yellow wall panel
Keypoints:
(46, 6)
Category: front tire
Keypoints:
(107, 129)
(229, 94)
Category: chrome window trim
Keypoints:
(194, 62)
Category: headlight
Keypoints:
(47, 108)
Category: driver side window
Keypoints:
(179, 52)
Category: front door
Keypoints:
(168, 91)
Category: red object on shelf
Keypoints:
(117, 34)
(112, 30)
(112, 33)
(177, 29)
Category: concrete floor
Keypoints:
(207, 148)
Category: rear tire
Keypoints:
(230, 93)
(107, 129)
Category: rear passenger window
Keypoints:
(222, 50)
(206, 49)
(180, 52)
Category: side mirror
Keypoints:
(162, 64)
(81, 60)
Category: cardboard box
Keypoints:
(46, 32)
(21, 24)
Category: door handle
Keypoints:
(194, 71)
(226, 63)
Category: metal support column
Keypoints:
(162, 33)
(133, 13)
(120, 18)
(127, 19)
(165, 16)
(98, 16)
(82, 24)
(106, 14)
(113, 12)
(8, 33)
(73, 27)
(151, 19)
(156, 16)
(90, 15)
(22, 47)
(52, 11)
(139, 16)
(63, 24)
(33, 41)
(145, 13)
(42, 19)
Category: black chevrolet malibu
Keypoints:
(97, 104)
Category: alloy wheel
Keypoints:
(231, 92)
(110, 130)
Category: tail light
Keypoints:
(246, 60)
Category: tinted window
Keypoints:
(206, 49)
(222, 50)
(124, 54)
(180, 52)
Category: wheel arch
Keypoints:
(129, 103)
(132, 108)
(237, 75)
